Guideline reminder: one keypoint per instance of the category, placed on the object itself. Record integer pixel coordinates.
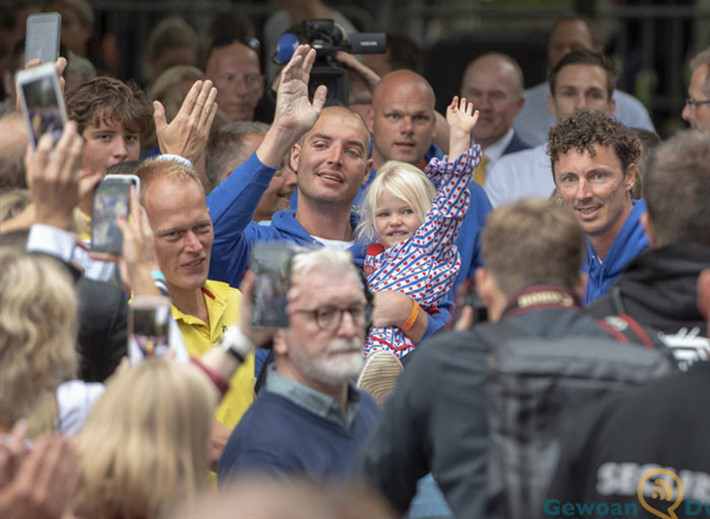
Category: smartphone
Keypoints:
(111, 202)
(42, 37)
(42, 102)
(271, 265)
(148, 327)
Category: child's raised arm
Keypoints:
(461, 118)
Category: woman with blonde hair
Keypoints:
(38, 359)
(146, 442)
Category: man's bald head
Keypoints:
(494, 84)
(402, 117)
(406, 79)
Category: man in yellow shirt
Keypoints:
(174, 200)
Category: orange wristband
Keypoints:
(413, 315)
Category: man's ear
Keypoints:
(294, 157)
(632, 173)
(648, 227)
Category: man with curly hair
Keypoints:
(581, 80)
(594, 165)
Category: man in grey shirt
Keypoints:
(535, 120)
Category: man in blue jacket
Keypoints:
(594, 164)
(330, 156)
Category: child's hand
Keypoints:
(461, 116)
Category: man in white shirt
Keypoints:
(535, 120)
(493, 82)
(582, 79)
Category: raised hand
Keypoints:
(53, 177)
(294, 111)
(460, 115)
(186, 135)
(461, 118)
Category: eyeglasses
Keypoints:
(329, 318)
(692, 103)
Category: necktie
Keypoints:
(479, 174)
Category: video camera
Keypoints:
(326, 37)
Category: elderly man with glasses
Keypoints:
(696, 111)
(309, 420)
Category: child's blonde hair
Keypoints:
(401, 180)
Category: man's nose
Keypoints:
(406, 125)
(120, 148)
(584, 190)
(192, 242)
(348, 327)
(335, 154)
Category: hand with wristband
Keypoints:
(397, 309)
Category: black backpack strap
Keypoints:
(624, 328)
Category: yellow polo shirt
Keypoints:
(223, 310)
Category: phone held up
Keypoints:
(148, 327)
(42, 102)
(151, 331)
(271, 265)
(111, 202)
(43, 36)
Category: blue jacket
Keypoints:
(629, 243)
(232, 204)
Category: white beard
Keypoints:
(332, 370)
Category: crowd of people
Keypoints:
(499, 311)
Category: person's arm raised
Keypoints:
(461, 118)
(295, 113)
(188, 132)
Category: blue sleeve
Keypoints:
(437, 321)
(232, 204)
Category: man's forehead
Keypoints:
(600, 155)
(490, 76)
(338, 122)
(404, 87)
(700, 76)
(316, 286)
(108, 121)
(234, 56)
(592, 75)
(160, 193)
